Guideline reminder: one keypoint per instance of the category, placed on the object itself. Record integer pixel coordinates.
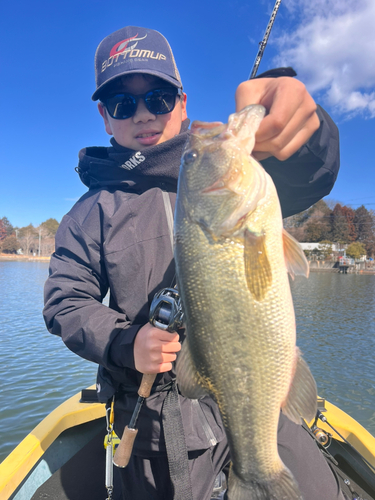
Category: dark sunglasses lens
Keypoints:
(121, 106)
(160, 102)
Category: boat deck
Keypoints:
(83, 476)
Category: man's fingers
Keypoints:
(286, 117)
(168, 357)
(163, 362)
(294, 135)
(171, 347)
(165, 336)
(164, 367)
(291, 115)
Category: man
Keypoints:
(117, 238)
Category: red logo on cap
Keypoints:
(123, 45)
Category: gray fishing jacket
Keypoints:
(116, 238)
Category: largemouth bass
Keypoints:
(232, 259)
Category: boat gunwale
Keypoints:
(349, 429)
(21, 461)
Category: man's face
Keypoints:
(144, 129)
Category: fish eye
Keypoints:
(190, 156)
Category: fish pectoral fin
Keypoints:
(257, 266)
(187, 375)
(295, 258)
(302, 398)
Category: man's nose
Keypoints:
(142, 114)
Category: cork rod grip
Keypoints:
(125, 447)
(146, 384)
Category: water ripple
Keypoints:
(335, 317)
(37, 371)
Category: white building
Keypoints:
(313, 246)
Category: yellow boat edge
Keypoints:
(72, 412)
(22, 459)
(349, 429)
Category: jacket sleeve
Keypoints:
(311, 172)
(73, 297)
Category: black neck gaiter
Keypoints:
(130, 169)
(161, 161)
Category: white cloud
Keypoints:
(332, 48)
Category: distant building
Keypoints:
(309, 246)
(339, 250)
(318, 246)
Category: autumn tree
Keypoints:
(365, 226)
(10, 244)
(322, 206)
(8, 226)
(51, 226)
(27, 238)
(340, 230)
(296, 220)
(318, 227)
(312, 224)
(349, 215)
(3, 231)
(371, 244)
(46, 239)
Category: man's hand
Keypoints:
(155, 349)
(291, 117)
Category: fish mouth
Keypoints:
(207, 129)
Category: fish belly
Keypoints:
(243, 350)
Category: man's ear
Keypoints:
(104, 115)
(183, 106)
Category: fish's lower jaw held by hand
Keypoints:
(279, 487)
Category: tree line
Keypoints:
(28, 240)
(341, 224)
(325, 222)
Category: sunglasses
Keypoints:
(158, 102)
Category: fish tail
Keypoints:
(282, 486)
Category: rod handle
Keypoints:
(125, 447)
(146, 384)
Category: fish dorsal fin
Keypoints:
(295, 258)
(257, 267)
(187, 375)
(301, 401)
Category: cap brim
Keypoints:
(163, 76)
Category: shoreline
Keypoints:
(335, 270)
(320, 268)
(24, 258)
(333, 267)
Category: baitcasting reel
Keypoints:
(166, 310)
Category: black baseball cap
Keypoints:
(134, 50)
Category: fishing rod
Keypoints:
(166, 314)
(263, 43)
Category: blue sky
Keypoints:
(47, 78)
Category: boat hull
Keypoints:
(64, 455)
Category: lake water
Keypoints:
(336, 332)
